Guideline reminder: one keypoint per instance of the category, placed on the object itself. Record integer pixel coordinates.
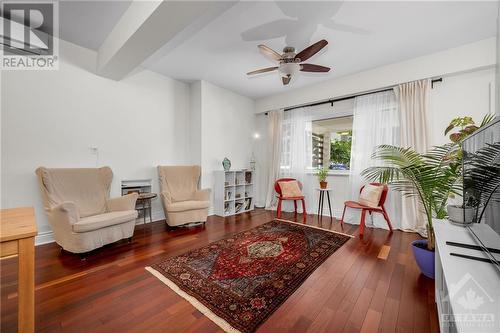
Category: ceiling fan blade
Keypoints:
(262, 70)
(286, 80)
(311, 50)
(313, 68)
(269, 52)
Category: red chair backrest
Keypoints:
(383, 196)
(277, 187)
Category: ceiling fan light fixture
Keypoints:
(288, 69)
(291, 63)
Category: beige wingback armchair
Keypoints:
(80, 212)
(182, 201)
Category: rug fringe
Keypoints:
(311, 226)
(194, 302)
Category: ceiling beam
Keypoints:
(146, 27)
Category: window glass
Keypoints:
(331, 143)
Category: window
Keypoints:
(331, 143)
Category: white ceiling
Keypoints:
(382, 33)
(88, 23)
(361, 35)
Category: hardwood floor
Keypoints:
(370, 284)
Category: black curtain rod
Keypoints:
(331, 101)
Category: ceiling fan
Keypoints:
(290, 63)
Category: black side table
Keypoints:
(322, 192)
(145, 200)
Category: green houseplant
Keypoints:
(463, 126)
(430, 177)
(458, 129)
(435, 176)
(322, 173)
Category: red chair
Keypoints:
(364, 209)
(281, 198)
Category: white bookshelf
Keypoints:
(233, 192)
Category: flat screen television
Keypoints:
(481, 173)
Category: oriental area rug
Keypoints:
(239, 281)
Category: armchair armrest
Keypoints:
(202, 195)
(64, 214)
(126, 202)
(166, 198)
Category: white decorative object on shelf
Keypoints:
(233, 192)
(253, 162)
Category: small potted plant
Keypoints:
(322, 174)
(464, 126)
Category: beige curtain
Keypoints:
(413, 102)
(275, 120)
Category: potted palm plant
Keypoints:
(322, 173)
(430, 177)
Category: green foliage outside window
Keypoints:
(340, 151)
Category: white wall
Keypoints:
(195, 123)
(467, 94)
(227, 126)
(52, 118)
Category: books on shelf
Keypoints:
(248, 203)
(238, 206)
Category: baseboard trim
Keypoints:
(44, 238)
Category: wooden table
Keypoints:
(17, 237)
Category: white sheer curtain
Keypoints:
(376, 121)
(413, 103)
(275, 130)
(296, 155)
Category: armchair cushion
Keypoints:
(370, 195)
(104, 220)
(290, 189)
(182, 201)
(182, 206)
(126, 202)
(88, 188)
(181, 182)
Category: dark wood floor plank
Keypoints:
(110, 291)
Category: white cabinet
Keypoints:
(233, 192)
(467, 291)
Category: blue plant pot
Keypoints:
(423, 257)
